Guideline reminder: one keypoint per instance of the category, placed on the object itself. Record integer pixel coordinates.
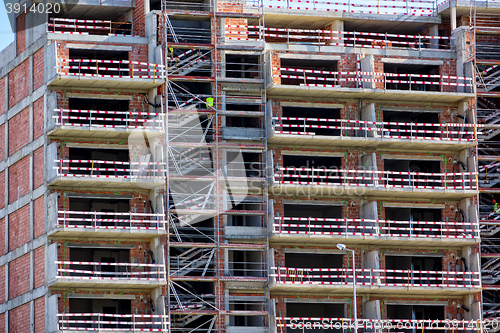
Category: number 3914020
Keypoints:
(40, 8)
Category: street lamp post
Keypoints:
(343, 247)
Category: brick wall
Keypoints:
(2, 95)
(19, 227)
(38, 68)
(19, 319)
(20, 123)
(38, 217)
(38, 118)
(2, 284)
(39, 269)
(21, 33)
(38, 170)
(2, 236)
(19, 179)
(2, 141)
(19, 277)
(39, 315)
(18, 83)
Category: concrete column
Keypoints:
(368, 114)
(368, 210)
(433, 31)
(368, 65)
(459, 38)
(337, 39)
(453, 14)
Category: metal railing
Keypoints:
(102, 271)
(315, 226)
(115, 322)
(375, 277)
(382, 179)
(393, 81)
(95, 27)
(375, 129)
(297, 324)
(96, 221)
(324, 37)
(109, 69)
(109, 119)
(109, 169)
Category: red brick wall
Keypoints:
(38, 216)
(38, 68)
(138, 19)
(19, 277)
(2, 320)
(18, 83)
(18, 131)
(19, 177)
(38, 170)
(40, 315)
(2, 142)
(19, 227)
(39, 269)
(2, 285)
(38, 118)
(19, 319)
(2, 236)
(2, 190)
(21, 33)
(2, 95)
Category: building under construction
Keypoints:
(202, 166)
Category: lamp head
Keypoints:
(341, 246)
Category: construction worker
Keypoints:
(210, 102)
(495, 205)
(170, 52)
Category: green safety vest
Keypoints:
(210, 101)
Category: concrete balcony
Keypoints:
(110, 74)
(106, 322)
(327, 231)
(405, 325)
(378, 86)
(68, 224)
(94, 124)
(107, 175)
(103, 275)
(373, 281)
(321, 132)
(394, 184)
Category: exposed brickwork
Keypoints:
(19, 179)
(38, 217)
(38, 68)
(2, 285)
(38, 118)
(17, 125)
(21, 33)
(19, 227)
(2, 95)
(2, 142)
(19, 277)
(19, 319)
(38, 172)
(39, 324)
(39, 266)
(18, 83)
(2, 236)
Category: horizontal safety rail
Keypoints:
(111, 220)
(110, 69)
(386, 130)
(110, 271)
(388, 7)
(375, 277)
(370, 178)
(109, 119)
(322, 37)
(418, 82)
(102, 321)
(383, 324)
(109, 169)
(94, 27)
(314, 226)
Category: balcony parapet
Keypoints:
(121, 323)
(95, 27)
(314, 280)
(109, 275)
(323, 230)
(315, 131)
